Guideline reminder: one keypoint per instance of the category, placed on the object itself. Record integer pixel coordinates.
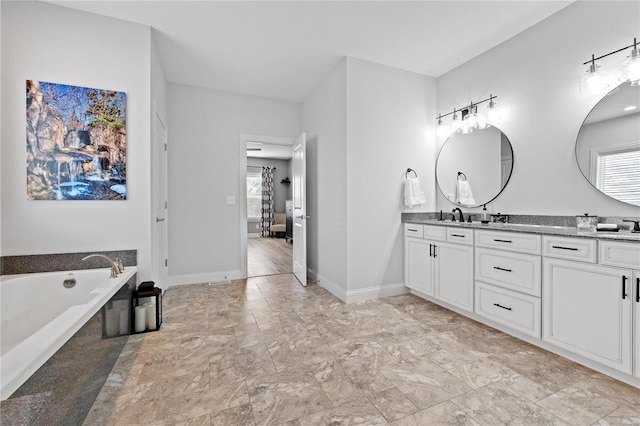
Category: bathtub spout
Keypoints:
(114, 266)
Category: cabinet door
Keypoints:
(636, 306)
(587, 310)
(454, 275)
(418, 274)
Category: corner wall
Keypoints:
(55, 44)
(324, 115)
(535, 76)
(390, 128)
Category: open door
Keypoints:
(160, 205)
(299, 167)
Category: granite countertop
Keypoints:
(564, 231)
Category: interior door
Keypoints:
(299, 167)
(161, 204)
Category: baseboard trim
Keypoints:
(213, 277)
(372, 293)
(328, 285)
(256, 235)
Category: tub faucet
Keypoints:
(114, 265)
(461, 216)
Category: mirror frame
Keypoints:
(501, 189)
(588, 178)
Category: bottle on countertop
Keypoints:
(484, 216)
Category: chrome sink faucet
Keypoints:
(115, 268)
(461, 216)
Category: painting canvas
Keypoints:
(76, 143)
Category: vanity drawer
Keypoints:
(413, 230)
(569, 248)
(512, 241)
(512, 309)
(438, 233)
(515, 271)
(616, 253)
(460, 236)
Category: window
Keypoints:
(618, 174)
(254, 195)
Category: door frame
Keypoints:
(242, 198)
(159, 272)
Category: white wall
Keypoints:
(535, 76)
(325, 121)
(204, 168)
(55, 44)
(390, 127)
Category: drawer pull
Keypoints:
(502, 269)
(412, 230)
(500, 306)
(624, 287)
(564, 248)
(637, 290)
(502, 241)
(458, 235)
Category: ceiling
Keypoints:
(283, 49)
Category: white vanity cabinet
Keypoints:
(578, 296)
(437, 268)
(418, 263)
(508, 280)
(587, 309)
(454, 274)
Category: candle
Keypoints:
(151, 316)
(141, 318)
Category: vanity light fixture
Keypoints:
(471, 120)
(596, 80)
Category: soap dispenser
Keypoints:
(484, 216)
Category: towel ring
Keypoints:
(409, 171)
(461, 174)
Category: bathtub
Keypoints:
(38, 315)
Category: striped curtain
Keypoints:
(267, 201)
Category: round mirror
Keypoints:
(473, 168)
(608, 145)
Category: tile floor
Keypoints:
(266, 351)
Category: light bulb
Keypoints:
(466, 127)
(472, 118)
(630, 69)
(594, 80)
(492, 112)
(443, 130)
(482, 122)
(455, 122)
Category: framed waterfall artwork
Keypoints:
(76, 143)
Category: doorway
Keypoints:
(266, 205)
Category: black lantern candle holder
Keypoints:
(145, 289)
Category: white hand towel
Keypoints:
(465, 196)
(413, 195)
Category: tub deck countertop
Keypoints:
(564, 231)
